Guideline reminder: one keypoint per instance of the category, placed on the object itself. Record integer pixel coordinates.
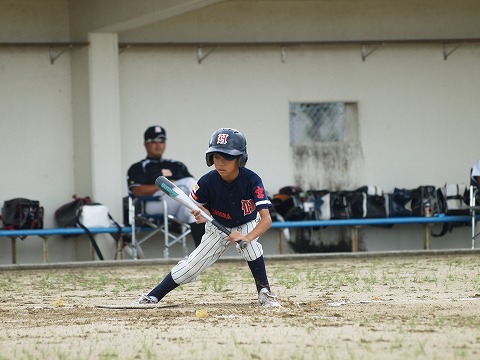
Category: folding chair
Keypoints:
(154, 224)
(474, 208)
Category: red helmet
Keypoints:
(227, 141)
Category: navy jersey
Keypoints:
(145, 172)
(232, 204)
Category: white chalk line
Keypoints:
(390, 301)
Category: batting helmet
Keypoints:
(227, 141)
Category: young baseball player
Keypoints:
(235, 197)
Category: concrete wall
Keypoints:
(417, 112)
(36, 116)
(407, 97)
(316, 20)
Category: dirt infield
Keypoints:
(395, 307)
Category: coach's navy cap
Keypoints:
(155, 133)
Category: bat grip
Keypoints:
(242, 243)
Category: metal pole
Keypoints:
(166, 251)
(14, 250)
(472, 213)
(355, 238)
(131, 220)
(426, 245)
(280, 243)
(45, 249)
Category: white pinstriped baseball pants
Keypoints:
(210, 249)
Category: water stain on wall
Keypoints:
(332, 166)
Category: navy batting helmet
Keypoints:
(227, 141)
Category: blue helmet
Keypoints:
(230, 142)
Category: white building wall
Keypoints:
(408, 107)
(36, 134)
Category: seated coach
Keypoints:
(141, 178)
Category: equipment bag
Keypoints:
(453, 199)
(340, 206)
(399, 203)
(66, 215)
(424, 201)
(287, 203)
(317, 204)
(357, 202)
(21, 213)
(332, 204)
(366, 202)
(322, 206)
(376, 204)
(96, 216)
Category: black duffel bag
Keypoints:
(21, 213)
(66, 215)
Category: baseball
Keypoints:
(202, 313)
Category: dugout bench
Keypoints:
(151, 225)
(45, 234)
(356, 224)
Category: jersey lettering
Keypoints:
(222, 139)
(221, 214)
(260, 192)
(248, 206)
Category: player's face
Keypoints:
(155, 148)
(228, 169)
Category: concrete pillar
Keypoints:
(108, 181)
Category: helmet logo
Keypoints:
(222, 139)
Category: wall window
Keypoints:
(325, 144)
(312, 123)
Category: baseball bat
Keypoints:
(174, 192)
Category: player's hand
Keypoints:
(199, 219)
(236, 236)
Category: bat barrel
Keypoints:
(178, 195)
